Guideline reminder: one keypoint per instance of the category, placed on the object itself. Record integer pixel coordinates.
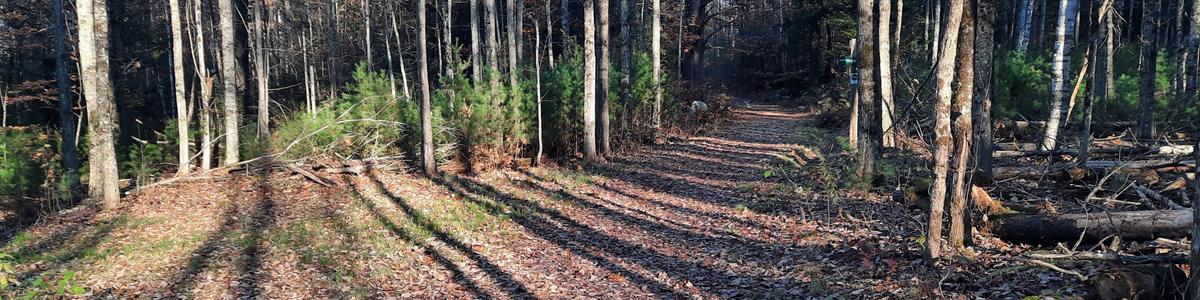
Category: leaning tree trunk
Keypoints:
(400, 51)
(985, 20)
(589, 79)
(960, 233)
(426, 114)
(885, 73)
(943, 140)
(199, 56)
(66, 105)
(101, 107)
(602, 101)
(1148, 68)
(869, 130)
(228, 75)
(1061, 69)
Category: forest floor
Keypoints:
(758, 208)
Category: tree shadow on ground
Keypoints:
(100, 230)
(582, 240)
(513, 288)
(254, 224)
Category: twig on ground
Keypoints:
(1053, 267)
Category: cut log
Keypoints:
(1130, 225)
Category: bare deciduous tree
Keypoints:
(101, 107)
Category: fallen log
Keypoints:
(1075, 171)
(1118, 258)
(1130, 225)
(1025, 151)
(1023, 124)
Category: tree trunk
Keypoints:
(943, 139)
(1130, 225)
(960, 233)
(869, 131)
(885, 73)
(602, 101)
(537, 75)
(448, 38)
(854, 107)
(66, 104)
(183, 117)
(228, 75)
(937, 29)
(982, 108)
(512, 44)
(199, 56)
(1148, 68)
(589, 80)
(489, 23)
(426, 114)
(476, 55)
(549, 35)
(1101, 76)
(656, 57)
(101, 107)
(263, 74)
(1061, 69)
(400, 50)
(626, 64)
(1025, 23)
(1193, 286)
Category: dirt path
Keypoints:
(694, 218)
(689, 219)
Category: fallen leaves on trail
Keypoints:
(692, 219)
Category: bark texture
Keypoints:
(101, 106)
(1060, 71)
(228, 79)
(943, 140)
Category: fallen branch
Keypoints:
(1053, 267)
(1152, 195)
(1124, 259)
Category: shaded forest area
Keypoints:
(645, 148)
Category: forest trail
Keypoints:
(756, 209)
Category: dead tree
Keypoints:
(960, 225)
